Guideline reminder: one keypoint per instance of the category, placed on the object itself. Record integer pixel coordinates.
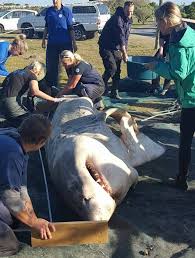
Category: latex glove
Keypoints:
(150, 66)
(57, 100)
(43, 43)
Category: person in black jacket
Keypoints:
(113, 45)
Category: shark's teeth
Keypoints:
(98, 177)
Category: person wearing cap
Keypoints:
(113, 43)
(7, 49)
(15, 202)
(59, 29)
(83, 79)
(15, 85)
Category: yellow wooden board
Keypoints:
(74, 233)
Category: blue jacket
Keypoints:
(116, 31)
(4, 54)
(58, 24)
(14, 160)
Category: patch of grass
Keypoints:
(88, 49)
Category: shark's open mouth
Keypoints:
(98, 177)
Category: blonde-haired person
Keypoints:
(83, 79)
(15, 85)
(180, 68)
(17, 47)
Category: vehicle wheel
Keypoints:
(79, 33)
(1, 28)
(26, 29)
(90, 35)
(40, 35)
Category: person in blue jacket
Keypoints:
(60, 32)
(7, 49)
(113, 43)
(15, 202)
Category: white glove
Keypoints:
(57, 100)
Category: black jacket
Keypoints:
(116, 31)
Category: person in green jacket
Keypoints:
(181, 69)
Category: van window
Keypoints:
(17, 14)
(103, 9)
(83, 9)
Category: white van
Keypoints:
(9, 19)
(89, 17)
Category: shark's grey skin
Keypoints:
(90, 166)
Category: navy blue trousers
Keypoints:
(187, 129)
(52, 62)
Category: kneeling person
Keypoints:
(83, 79)
(14, 199)
(18, 83)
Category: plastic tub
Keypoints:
(136, 69)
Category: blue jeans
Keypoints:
(52, 62)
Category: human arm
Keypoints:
(70, 20)
(176, 69)
(72, 83)
(161, 48)
(45, 32)
(3, 71)
(34, 88)
(72, 35)
(20, 206)
(123, 37)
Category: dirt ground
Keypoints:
(155, 220)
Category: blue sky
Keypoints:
(49, 2)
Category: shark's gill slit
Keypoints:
(98, 177)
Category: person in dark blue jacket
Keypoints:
(15, 202)
(83, 79)
(7, 49)
(113, 43)
(59, 28)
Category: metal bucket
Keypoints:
(136, 69)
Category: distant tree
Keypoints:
(154, 5)
(113, 4)
(189, 11)
(143, 10)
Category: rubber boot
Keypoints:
(114, 91)
(181, 182)
(105, 79)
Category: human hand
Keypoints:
(75, 47)
(125, 57)
(43, 43)
(44, 228)
(150, 66)
(57, 100)
(159, 55)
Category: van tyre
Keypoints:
(90, 35)
(40, 35)
(79, 33)
(1, 28)
(28, 30)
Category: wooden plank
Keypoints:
(72, 233)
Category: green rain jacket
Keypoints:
(181, 66)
